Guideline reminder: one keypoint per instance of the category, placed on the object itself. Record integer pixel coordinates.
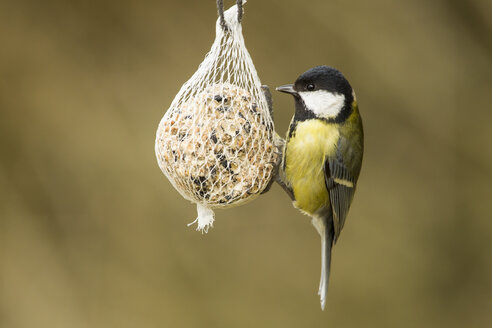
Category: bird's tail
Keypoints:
(326, 231)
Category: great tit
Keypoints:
(323, 155)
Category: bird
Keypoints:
(322, 155)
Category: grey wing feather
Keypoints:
(341, 187)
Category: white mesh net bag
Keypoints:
(216, 141)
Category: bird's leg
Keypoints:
(278, 173)
(280, 179)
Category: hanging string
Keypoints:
(239, 10)
(220, 11)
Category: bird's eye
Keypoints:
(310, 87)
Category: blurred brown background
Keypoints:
(93, 235)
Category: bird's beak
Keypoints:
(288, 88)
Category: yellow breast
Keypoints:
(305, 156)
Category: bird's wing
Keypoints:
(340, 184)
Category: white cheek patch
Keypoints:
(323, 103)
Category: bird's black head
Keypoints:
(323, 78)
(321, 92)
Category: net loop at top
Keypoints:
(220, 10)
